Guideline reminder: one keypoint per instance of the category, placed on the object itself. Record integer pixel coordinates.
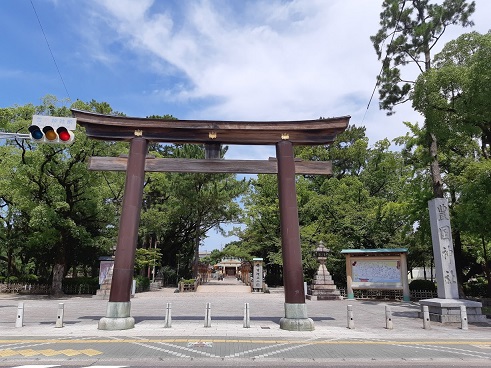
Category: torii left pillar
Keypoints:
(119, 306)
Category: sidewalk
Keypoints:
(82, 313)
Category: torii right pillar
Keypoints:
(295, 308)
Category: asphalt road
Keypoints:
(223, 351)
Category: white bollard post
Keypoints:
(388, 318)
(463, 318)
(168, 316)
(426, 318)
(247, 317)
(61, 313)
(208, 315)
(19, 322)
(351, 321)
(133, 288)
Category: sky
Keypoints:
(198, 59)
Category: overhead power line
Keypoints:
(382, 68)
(51, 52)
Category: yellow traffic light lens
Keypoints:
(49, 133)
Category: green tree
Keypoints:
(181, 208)
(409, 32)
(361, 206)
(58, 213)
(455, 94)
(474, 213)
(452, 96)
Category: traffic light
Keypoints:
(52, 129)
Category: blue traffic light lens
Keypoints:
(36, 133)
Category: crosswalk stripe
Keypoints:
(51, 366)
(36, 366)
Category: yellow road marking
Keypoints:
(47, 352)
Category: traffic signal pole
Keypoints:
(119, 306)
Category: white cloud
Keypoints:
(264, 60)
(279, 60)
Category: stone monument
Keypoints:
(446, 308)
(323, 287)
(257, 276)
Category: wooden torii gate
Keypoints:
(140, 131)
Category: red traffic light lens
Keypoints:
(63, 134)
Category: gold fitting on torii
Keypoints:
(285, 136)
(138, 133)
(212, 135)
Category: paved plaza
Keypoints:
(187, 338)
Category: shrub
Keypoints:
(422, 285)
(80, 285)
(476, 288)
(30, 278)
(142, 283)
(12, 279)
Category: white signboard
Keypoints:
(54, 121)
(376, 273)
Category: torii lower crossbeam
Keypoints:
(180, 165)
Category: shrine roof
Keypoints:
(302, 132)
(374, 251)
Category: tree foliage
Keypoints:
(409, 31)
(56, 214)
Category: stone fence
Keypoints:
(389, 294)
(45, 289)
(188, 285)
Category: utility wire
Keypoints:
(382, 68)
(51, 52)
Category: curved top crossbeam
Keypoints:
(301, 132)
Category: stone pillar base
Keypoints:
(117, 317)
(296, 318)
(448, 310)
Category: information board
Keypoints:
(385, 273)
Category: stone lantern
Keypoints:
(323, 287)
(321, 253)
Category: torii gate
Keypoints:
(211, 133)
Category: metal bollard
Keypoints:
(463, 318)
(208, 315)
(168, 316)
(351, 321)
(247, 317)
(61, 313)
(388, 318)
(426, 318)
(19, 322)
